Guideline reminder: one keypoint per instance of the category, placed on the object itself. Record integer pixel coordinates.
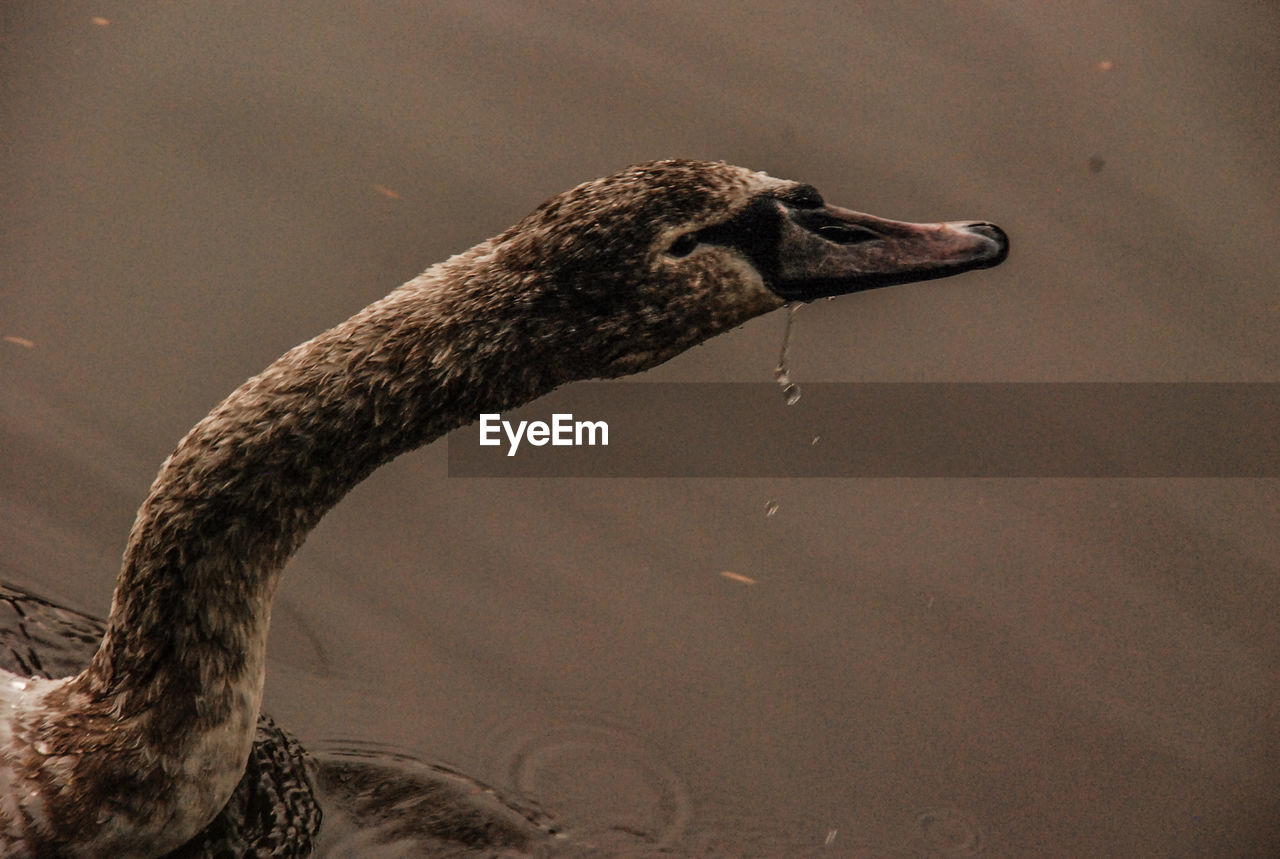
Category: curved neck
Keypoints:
(240, 493)
(176, 684)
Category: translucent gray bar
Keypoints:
(896, 430)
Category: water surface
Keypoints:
(936, 667)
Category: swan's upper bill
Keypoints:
(139, 752)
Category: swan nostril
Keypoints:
(843, 235)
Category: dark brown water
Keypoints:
(935, 667)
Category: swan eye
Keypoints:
(843, 235)
(683, 245)
(804, 197)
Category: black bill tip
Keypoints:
(998, 237)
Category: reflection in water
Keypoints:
(381, 803)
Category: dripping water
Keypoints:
(782, 373)
(790, 390)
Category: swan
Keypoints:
(274, 809)
(137, 753)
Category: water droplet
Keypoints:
(815, 440)
(790, 390)
(770, 507)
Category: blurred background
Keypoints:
(895, 667)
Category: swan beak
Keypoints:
(830, 251)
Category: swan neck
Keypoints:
(240, 493)
(180, 670)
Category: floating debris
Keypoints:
(1104, 66)
(770, 507)
(20, 341)
(386, 192)
(738, 577)
(831, 836)
(101, 22)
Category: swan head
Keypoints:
(641, 265)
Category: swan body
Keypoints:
(273, 810)
(136, 754)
